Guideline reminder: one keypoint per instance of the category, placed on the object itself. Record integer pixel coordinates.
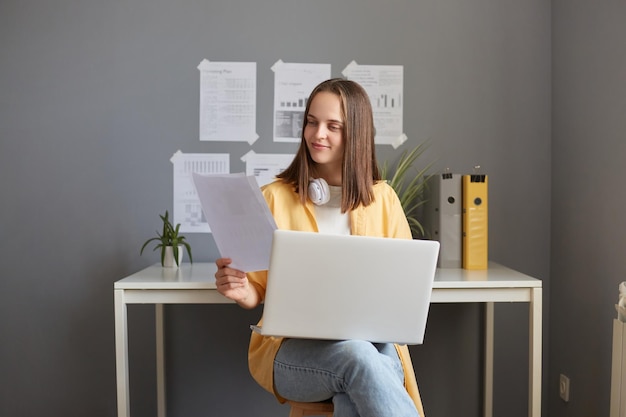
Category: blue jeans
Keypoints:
(362, 378)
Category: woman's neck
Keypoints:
(332, 177)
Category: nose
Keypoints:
(320, 131)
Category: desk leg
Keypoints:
(160, 359)
(535, 349)
(121, 354)
(489, 337)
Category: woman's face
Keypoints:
(323, 134)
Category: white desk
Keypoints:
(195, 284)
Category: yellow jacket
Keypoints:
(383, 218)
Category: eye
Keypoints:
(311, 122)
(334, 127)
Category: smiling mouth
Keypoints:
(319, 146)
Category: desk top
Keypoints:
(200, 275)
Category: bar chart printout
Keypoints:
(384, 85)
(293, 84)
(187, 208)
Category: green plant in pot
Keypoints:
(169, 238)
(409, 182)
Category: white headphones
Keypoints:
(319, 192)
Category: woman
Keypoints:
(332, 186)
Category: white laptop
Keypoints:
(339, 287)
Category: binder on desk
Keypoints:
(475, 222)
(443, 217)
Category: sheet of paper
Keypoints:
(228, 101)
(187, 209)
(293, 84)
(265, 166)
(384, 85)
(239, 217)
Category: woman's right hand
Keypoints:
(233, 283)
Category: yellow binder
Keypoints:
(475, 222)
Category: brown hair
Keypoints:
(359, 167)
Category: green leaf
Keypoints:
(168, 237)
(409, 182)
(188, 247)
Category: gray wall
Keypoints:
(588, 200)
(96, 97)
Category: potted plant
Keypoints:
(409, 182)
(170, 242)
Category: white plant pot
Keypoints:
(169, 261)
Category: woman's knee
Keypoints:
(361, 356)
(356, 350)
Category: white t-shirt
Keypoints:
(329, 218)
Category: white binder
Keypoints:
(443, 217)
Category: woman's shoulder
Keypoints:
(278, 190)
(384, 190)
(385, 195)
(277, 186)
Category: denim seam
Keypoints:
(307, 369)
